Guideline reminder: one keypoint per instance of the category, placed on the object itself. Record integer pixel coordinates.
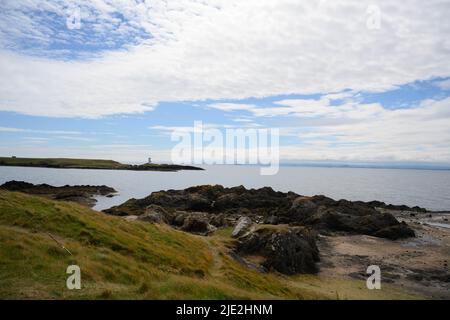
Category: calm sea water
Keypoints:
(425, 188)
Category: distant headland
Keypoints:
(67, 163)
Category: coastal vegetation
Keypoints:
(138, 260)
(68, 163)
(84, 194)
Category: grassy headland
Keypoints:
(136, 260)
(66, 163)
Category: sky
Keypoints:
(343, 80)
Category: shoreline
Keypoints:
(418, 264)
(307, 240)
(368, 187)
(95, 164)
(81, 194)
(311, 235)
(163, 168)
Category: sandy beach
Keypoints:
(418, 264)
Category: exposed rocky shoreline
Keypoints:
(280, 229)
(81, 194)
(219, 206)
(419, 264)
(293, 234)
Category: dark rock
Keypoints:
(271, 220)
(219, 220)
(266, 205)
(379, 204)
(154, 217)
(212, 199)
(431, 274)
(16, 185)
(156, 214)
(345, 216)
(197, 225)
(415, 277)
(227, 201)
(198, 202)
(179, 218)
(418, 209)
(82, 194)
(398, 231)
(305, 204)
(288, 250)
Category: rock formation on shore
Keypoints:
(80, 194)
(279, 228)
(288, 250)
(221, 206)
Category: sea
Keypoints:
(425, 188)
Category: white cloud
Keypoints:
(242, 120)
(421, 133)
(56, 132)
(354, 131)
(443, 84)
(9, 129)
(308, 107)
(36, 140)
(199, 127)
(232, 106)
(227, 49)
(75, 138)
(322, 108)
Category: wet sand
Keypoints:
(419, 265)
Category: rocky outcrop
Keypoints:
(193, 222)
(394, 232)
(223, 206)
(156, 214)
(349, 218)
(198, 225)
(380, 204)
(286, 250)
(278, 229)
(82, 194)
(211, 199)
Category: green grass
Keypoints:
(134, 260)
(60, 162)
(66, 163)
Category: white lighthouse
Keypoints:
(149, 160)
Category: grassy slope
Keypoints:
(62, 162)
(89, 164)
(135, 260)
